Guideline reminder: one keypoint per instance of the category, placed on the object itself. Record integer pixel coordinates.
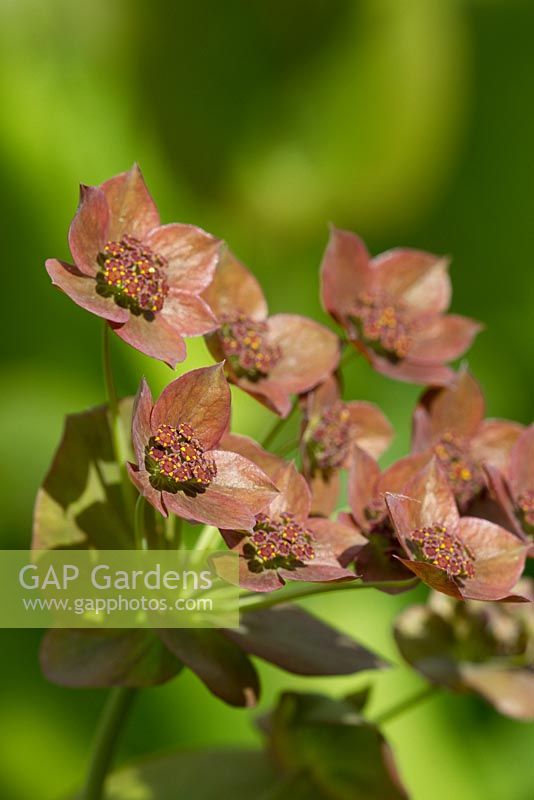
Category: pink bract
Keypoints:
(144, 278)
(392, 308)
(271, 358)
(180, 468)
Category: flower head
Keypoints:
(144, 278)
(271, 358)
(392, 308)
(513, 487)
(178, 467)
(285, 543)
(331, 428)
(486, 648)
(449, 424)
(466, 558)
(372, 544)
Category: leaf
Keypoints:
(220, 664)
(203, 775)
(80, 503)
(343, 756)
(317, 749)
(298, 642)
(97, 658)
(427, 642)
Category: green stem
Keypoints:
(251, 603)
(173, 532)
(405, 705)
(139, 524)
(287, 447)
(112, 720)
(120, 450)
(208, 536)
(349, 353)
(278, 426)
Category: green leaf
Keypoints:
(297, 641)
(204, 775)
(80, 503)
(221, 665)
(98, 658)
(342, 755)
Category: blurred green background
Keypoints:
(409, 121)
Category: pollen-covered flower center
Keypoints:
(279, 542)
(134, 275)
(383, 325)
(176, 461)
(525, 505)
(465, 476)
(435, 545)
(245, 343)
(329, 438)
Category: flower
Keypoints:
(178, 468)
(513, 487)
(330, 429)
(144, 278)
(449, 424)
(486, 648)
(372, 544)
(285, 543)
(464, 557)
(392, 308)
(271, 358)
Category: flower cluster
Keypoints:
(457, 512)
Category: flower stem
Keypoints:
(173, 532)
(251, 603)
(349, 353)
(139, 524)
(278, 426)
(405, 705)
(112, 719)
(120, 450)
(208, 536)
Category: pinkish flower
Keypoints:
(285, 543)
(464, 557)
(331, 428)
(392, 308)
(449, 424)
(144, 278)
(372, 544)
(271, 358)
(513, 487)
(179, 469)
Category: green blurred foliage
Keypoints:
(409, 121)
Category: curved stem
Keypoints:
(111, 391)
(349, 353)
(405, 705)
(208, 536)
(112, 720)
(139, 524)
(278, 426)
(251, 603)
(173, 532)
(120, 450)
(286, 448)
